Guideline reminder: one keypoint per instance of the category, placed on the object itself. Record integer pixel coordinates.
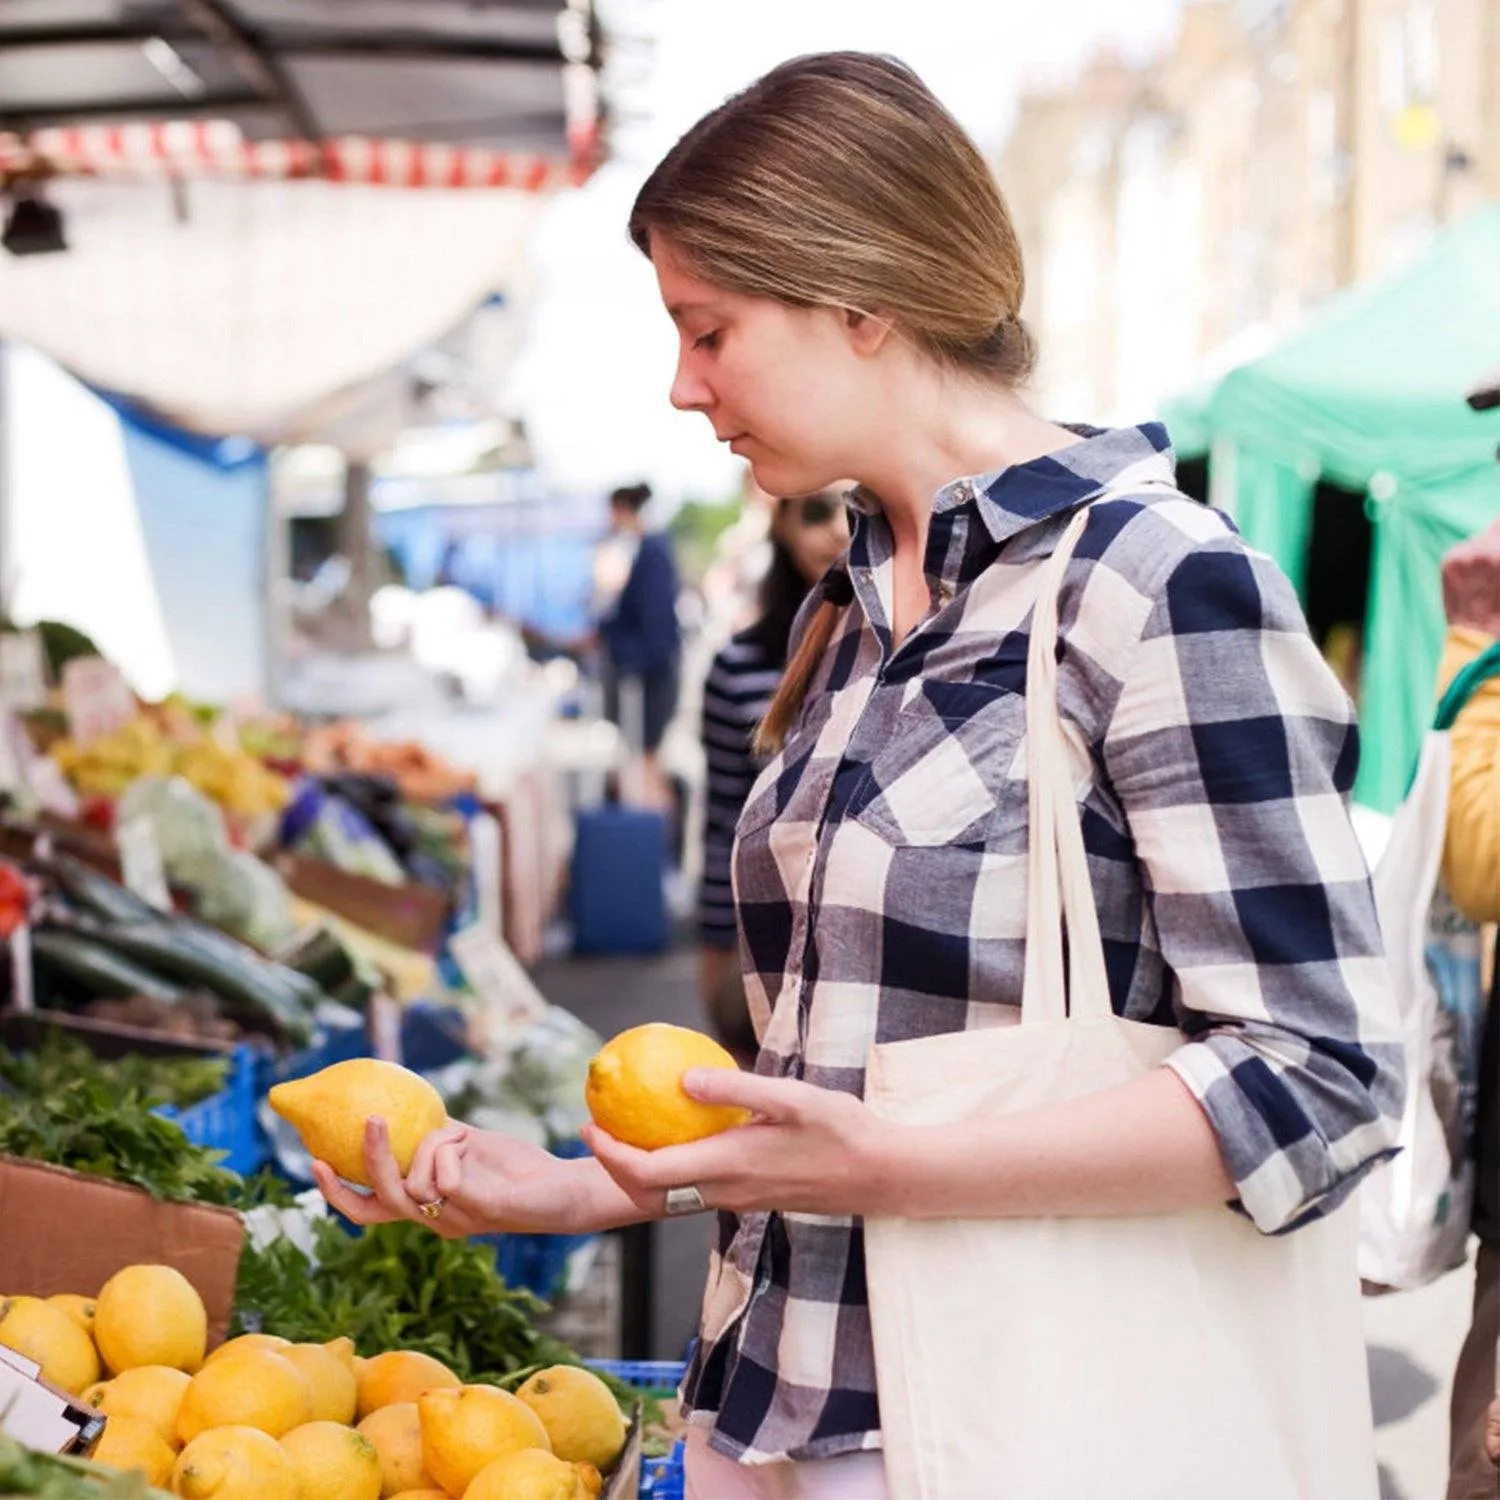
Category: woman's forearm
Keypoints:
(600, 1203)
(1144, 1147)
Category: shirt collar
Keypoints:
(1011, 499)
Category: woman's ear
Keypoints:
(867, 331)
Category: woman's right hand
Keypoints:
(487, 1183)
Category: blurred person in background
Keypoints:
(636, 588)
(1471, 872)
(808, 535)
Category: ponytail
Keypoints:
(786, 706)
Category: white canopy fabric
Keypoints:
(269, 302)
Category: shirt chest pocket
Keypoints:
(950, 772)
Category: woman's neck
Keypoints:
(956, 428)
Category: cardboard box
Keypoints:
(38, 1415)
(412, 915)
(24, 1031)
(625, 1482)
(61, 1231)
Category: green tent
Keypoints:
(1369, 395)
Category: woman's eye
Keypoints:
(707, 340)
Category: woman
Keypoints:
(807, 537)
(846, 286)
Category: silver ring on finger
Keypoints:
(684, 1200)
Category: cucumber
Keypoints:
(178, 951)
(101, 969)
(96, 893)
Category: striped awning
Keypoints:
(220, 149)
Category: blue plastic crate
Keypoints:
(661, 1478)
(226, 1121)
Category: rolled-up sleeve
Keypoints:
(1232, 748)
(1472, 853)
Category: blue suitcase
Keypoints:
(618, 897)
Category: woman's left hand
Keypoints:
(807, 1150)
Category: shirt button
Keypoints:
(946, 591)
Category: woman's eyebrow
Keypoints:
(677, 311)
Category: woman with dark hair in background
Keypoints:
(807, 537)
(642, 640)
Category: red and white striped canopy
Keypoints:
(219, 149)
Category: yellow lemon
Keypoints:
(149, 1393)
(80, 1309)
(422, 1495)
(329, 1110)
(466, 1429)
(40, 1332)
(130, 1444)
(331, 1381)
(234, 1463)
(396, 1432)
(343, 1351)
(250, 1341)
(333, 1462)
(529, 1475)
(582, 1417)
(634, 1088)
(150, 1315)
(592, 1480)
(400, 1375)
(250, 1388)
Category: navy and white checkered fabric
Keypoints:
(880, 872)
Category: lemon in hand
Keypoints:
(634, 1088)
(330, 1108)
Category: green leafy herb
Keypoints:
(52, 1478)
(398, 1286)
(179, 1081)
(91, 1124)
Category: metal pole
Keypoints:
(357, 544)
(7, 460)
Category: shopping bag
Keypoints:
(1161, 1357)
(1415, 1210)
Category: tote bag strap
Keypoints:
(1059, 891)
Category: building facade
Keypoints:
(1178, 214)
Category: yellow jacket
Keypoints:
(1471, 855)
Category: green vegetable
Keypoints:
(252, 989)
(96, 893)
(178, 1081)
(50, 1477)
(99, 969)
(399, 1286)
(92, 1124)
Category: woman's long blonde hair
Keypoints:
(838, 180)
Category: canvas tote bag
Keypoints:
(1166, 1357)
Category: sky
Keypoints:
(592, 377)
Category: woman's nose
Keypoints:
(689, 390)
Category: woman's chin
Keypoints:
(780, 478)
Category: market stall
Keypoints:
(1368, 397)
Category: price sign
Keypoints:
(141, 863)
(509, 1004)
(97, 697)
(23, 670)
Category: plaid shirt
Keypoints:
(880, 872)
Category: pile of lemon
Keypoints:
(264, 1419)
